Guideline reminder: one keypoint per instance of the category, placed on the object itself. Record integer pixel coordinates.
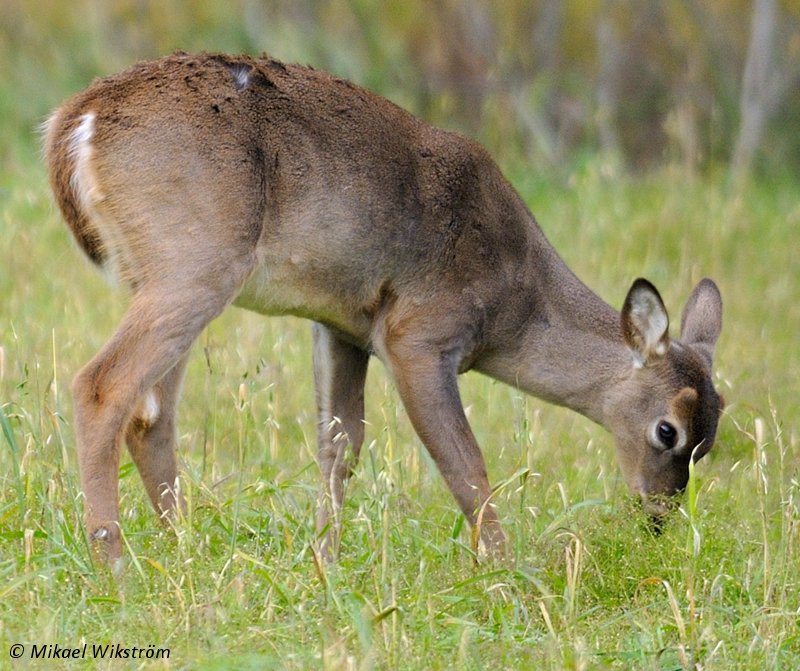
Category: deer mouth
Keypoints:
(658, 506)
(655, 505)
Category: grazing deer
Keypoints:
(204, 180)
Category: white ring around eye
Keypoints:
(680, 438)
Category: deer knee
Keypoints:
(99, 384)
(86, 388)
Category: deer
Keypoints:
(197, 181)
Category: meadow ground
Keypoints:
(234, 585)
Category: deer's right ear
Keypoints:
(645, 323)
(701, 322)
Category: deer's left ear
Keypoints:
(645, 323)
(701, 322)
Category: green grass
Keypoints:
(235, 585)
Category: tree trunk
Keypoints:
(610, 56)
(760, 89)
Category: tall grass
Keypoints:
(234, 584)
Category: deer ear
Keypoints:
(645, 323)
(701, 322)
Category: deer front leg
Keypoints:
(426, 379)
(340, 371)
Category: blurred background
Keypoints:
(700, 84)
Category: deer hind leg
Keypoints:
(150, 343)
(151, 440)
(426, 379)
(340, 371)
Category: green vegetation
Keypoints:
(235, 585)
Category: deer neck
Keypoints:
(568, 348)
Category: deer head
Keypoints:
(665, 412)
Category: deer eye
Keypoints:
(667, 434)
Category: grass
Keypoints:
(234, 585)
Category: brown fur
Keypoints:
(201, 181)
